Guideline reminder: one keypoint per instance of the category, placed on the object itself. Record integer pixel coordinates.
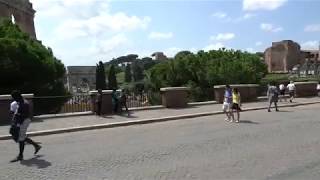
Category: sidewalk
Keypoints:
(67, 122)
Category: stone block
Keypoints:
(174, 97)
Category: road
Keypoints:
(276, 145)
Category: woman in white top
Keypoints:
(318, 88)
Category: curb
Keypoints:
(143, 121)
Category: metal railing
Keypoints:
(83, 102)
(61, 104)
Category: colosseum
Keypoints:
(22, 12)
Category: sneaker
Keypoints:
(269, 110)
(18, 158)
(36, 149)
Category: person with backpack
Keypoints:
(273, 94)
(20, 111)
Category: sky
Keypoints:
(84, 32)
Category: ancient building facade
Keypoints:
(23, 14)
(80, 79)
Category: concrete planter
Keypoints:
(305, 89)
(249, 92)
(5, 101)
(106, 106)
(174, 97)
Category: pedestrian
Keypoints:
(292, 88)
(21, 118)
(115, 101)
(273, 94)
(236, 103)
(99, 102)
(123, 101)
(282, 89)
(227, 102)
(318, 88)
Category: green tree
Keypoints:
(112, 79)
(137, 72)
(100, 76)
(128, 74)
(27, 65)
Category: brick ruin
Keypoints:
(23, 14)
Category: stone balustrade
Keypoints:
(305, 89)
(106, 106)
(174, 97)
(5, 101)
(248, 92)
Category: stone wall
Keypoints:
(248, 92)
(23, 13)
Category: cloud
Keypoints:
(254, 5)
(159, 35)
(258, 43)
(223, 37)
(250, 50)
(219, 15)
(81, 31)
(312, 28)
(171, 52)
(215, 46)
(310, 45)
(270, 27)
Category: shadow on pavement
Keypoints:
(36, 162)
(248, 122)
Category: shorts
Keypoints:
(291, 93)
(282, 92)
(23, 130)
(226, 106)
(236, 106)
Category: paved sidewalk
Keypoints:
(44, 124)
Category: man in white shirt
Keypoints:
(20, 110)
(292, 88)
(282, 89)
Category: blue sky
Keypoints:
(83, 32)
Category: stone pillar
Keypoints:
(174, 97)
(106, 106)
(5, 101)
(304, 89)
(248, 92)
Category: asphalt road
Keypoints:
(276, 145)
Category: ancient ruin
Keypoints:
(287, 57)
(80, 79)
(22, 12)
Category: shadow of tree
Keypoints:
(36, 162)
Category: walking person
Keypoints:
(115, 101)
(318, 88)
(227, 102)
(21, 118)
(99, 102)
(273, 94)
(236, 103)
(292, 88)
(282, 89)
(123, 101)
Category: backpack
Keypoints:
(23, 112)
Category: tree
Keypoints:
(137, 72)
(128, 74)
(100, 76)
(203, 70)
(27, 65)
(112, 78)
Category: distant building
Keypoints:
(159, 56)
(286, 56)
(80, 79)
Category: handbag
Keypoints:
(15, 132)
